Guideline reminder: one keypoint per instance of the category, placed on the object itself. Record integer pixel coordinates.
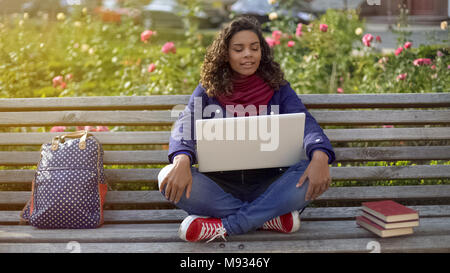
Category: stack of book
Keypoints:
(388, 218)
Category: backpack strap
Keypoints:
(82, 135)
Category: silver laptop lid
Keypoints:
(253, 142)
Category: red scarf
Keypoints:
(250, 90)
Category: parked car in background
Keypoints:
(50, 6)
(166, 13)
(110, 11)
(261, 8)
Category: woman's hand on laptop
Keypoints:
(178, 179)
(318, 174)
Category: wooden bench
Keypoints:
(139, 219)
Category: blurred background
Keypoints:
(101, 47)
(214, 12)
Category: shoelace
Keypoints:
(213, 231)
(275, 223)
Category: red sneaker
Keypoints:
(287, 223)
(197, 228)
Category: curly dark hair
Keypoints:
(216, 73)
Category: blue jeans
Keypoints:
(239, 216)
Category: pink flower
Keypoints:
(398, 51)
(291, 44)
(367, 39)
(57, 81)
(439, 53)
(69, 77)
(90, 128)
(388, 126)
(58, 129)
(151, 67)
(323, 27)
(407, 45)
(102, 129)
(401, 77)
(298, 31)
(340, 90)
(378, 39)
(448, 66)
(426, 61)
(276, 34)
(169, 47)
(421, 61)
(270, 41)
(145, 35)
(383, 60)
(433, 66)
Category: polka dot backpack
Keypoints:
(69, 187)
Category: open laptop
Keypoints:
(254, 142)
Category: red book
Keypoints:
(390, 211)
(389, 225)
(380, 231)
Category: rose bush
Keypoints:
(333, 55)
(79, 55)
(321, 58)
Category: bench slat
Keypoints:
(106, 138)
(18, 158)
(177, 215)
(393, 153)
(391, 172)
(93, 103)
(310, 230)
(110, 157)
(338, 194)
(80, 118)
(337, 173)
(388, 134)
(168, 101)
(382, 117)
(163, 117)
(422, 244)
(316, 236)
(410, 100)
(335, 135)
